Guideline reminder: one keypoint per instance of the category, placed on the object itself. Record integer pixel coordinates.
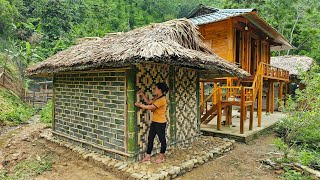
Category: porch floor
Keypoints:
(233, 131)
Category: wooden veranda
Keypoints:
(244, 93)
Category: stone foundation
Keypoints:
(178, 160)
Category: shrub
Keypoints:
(46, 113)
(301, 125)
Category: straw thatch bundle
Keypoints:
(292, 63)
(174, 42)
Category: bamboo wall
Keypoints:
(182, 104)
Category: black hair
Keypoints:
(163, 86)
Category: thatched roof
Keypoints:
(292, 63)
(174, 42)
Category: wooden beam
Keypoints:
(229, 115)
(280, 94)
(202, 96)
(230, 38)
(260, 102)
(271, 97)
(268, 101)
(251, 116)
(285, 92)
(219, 109)
(242, 110)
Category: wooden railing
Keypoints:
(204, 103)
(11, 83)
(274, 72)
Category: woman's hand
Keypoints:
(140, 92)
(138, 104)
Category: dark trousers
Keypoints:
(160, 130)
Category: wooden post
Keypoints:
(260, 102)
(132, 120)
(251, 116)
(202, 97)
(268, 101)
(242, 110)
(272, 97)
(229, 115)
(280, 94)
(46, 91)
(219, 109)
(285, 92)
(214, 97)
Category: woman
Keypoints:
(158, 124)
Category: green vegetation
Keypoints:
(30, 31)
(46, 113)
(299, 131)
(13, 110)
(28, 169)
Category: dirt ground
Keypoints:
(24, 143)
(240, 163)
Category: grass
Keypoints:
(13, 110)
(29, 169)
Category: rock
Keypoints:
(157, 176)
(172, 171)
(164, 173)
(215, 151)
(195, 161)
(137, 176)
(130, 169)
(112, 163)
(123, 166)
(189, 165)
(86, 156)
(146, 176)
(105, 161)
(118, 164)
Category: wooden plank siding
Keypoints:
(221, 37)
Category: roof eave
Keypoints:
(270, 31)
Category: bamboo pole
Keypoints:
(131, 117)
(173, 104)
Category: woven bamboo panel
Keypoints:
(186, 99)
(147, 76)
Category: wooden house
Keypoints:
(95, 85)
(243, 38)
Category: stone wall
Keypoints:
(90, 106)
